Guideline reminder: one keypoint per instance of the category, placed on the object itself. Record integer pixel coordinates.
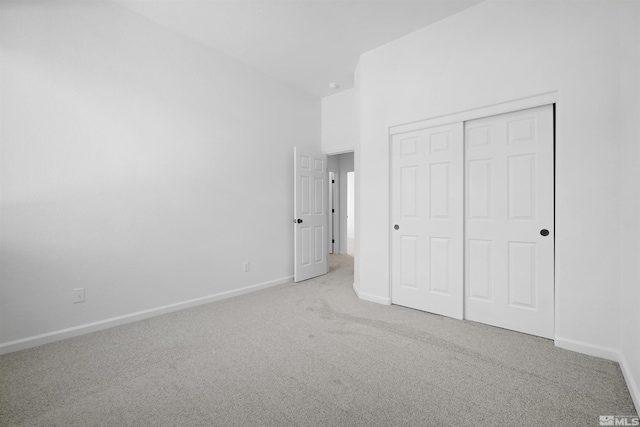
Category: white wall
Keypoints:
(339, 126)
(630, 190)
(502, 51)
(137, 164)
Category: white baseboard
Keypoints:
(609, 354)
(588, 349)
(50, 337)
(632, 384)
(369, 297)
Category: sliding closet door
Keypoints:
(427, 220)
(509, 236)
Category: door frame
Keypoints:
(478, 113)
(340, 199)
(334, 212)
(331, 211)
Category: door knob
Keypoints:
(299, 221)
(396, 227)
(544, 232)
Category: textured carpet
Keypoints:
(307, 354)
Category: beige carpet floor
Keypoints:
(307, 354)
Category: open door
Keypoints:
(310, 215)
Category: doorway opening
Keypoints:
(341, 203)
(332, 213)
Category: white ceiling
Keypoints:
(305, 43)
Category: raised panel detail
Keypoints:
(522, 281)
(479, 276)
(408, 194)
(310, 209)
(479, 189)
(521, 193)
(439, 190)
(409, 253)
(439, 142)
(509, 201)
(305, 193)
(408, 146)
(427, 207)
(522, 130)
(318, 205)
(478, 137)
(305, 246)
(318, 243)
(305, 162)
(439, 265)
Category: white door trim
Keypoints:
(478, 113)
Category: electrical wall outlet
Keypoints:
(78, 295)
(246, 266)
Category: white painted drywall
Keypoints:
(339, 126)
(137, 164)
(502, 51)
(630, 191)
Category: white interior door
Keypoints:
(427, 220)
(310, 215)
(509, 262)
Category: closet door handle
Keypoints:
(544, 232)
(396, 227)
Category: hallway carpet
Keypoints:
(307, 354)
